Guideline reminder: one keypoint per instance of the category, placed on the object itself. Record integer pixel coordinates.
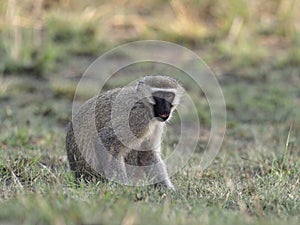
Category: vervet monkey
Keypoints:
(117, 134)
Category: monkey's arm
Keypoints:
(139, 119)
(155, 168)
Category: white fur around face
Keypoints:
(153, 138)
(172, 90)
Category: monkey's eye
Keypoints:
(169, 97)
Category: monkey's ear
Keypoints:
(144, 91)
(140, 86)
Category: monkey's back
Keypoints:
(93, 117)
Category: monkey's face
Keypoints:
(163, 104)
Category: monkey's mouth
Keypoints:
(164, 116)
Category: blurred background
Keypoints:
(252, 46)
(38, 35)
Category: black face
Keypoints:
(163, 104)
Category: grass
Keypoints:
(253, 180)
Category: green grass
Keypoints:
(253, 180)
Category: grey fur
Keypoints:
(98, 140)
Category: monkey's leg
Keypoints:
(110, 154)
(77, 161)
(155, 169)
